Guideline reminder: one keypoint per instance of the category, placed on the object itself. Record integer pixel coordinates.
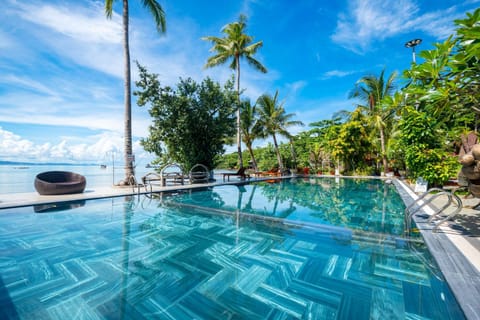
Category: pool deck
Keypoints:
(455, 246)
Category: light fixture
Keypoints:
(412, 44)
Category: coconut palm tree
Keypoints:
(250, 128)
(372, 92)
(159, 16)
(274, 119)
(235, 46)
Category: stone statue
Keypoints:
(469, 175)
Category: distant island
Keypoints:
(16, 163)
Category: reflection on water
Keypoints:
(137, 257)
(58, 206)
(362, 204)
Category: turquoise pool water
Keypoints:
(306, 249)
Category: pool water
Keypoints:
(258, 251)
(360, 204)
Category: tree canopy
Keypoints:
(191, 122)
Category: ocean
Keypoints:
(19, 178)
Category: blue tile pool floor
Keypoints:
(142, 258)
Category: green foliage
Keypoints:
(434, 165)
(416, 128)
(266, 157)
(421, 144)
(250, 127)
(378, 104)
(235, 46)
(228, 161)
(274, 119)
(443, 96)
(190, 123)
(351, 145)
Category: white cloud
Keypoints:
(27, 84)
(296, 86)
(74, 31)
(81, 23)
(336, 74)
(373, 19)
(367, 21)
(75, 114)
(69, 72)
(88, 149)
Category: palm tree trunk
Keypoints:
(384, 154)
(239, 133)
(277, 151)
(294, 155)
(252, 155)
(128, 156)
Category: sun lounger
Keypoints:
(240, 172)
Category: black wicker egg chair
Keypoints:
(59, 182)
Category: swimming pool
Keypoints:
(315, 248)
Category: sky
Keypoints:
(61, 62)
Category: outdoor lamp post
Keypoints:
(412, 44)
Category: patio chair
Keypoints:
(172, 172)
(199, 173)
(151, 179)
(272, 172)
(240, 172)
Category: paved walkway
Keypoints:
(33, 198)
(464, 230)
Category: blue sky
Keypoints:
(61, 62)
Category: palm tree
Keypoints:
(372, 92)
(274, 119)
(159, 17)
(234, 46)
(250, 128)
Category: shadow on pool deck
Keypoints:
(468, 226)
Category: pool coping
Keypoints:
(461, 275)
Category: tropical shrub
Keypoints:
(421, 144)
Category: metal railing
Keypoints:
(438, 217)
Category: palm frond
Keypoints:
(109, 8)
(158, 14)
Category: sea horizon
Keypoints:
(19, 177)
(28, 163)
